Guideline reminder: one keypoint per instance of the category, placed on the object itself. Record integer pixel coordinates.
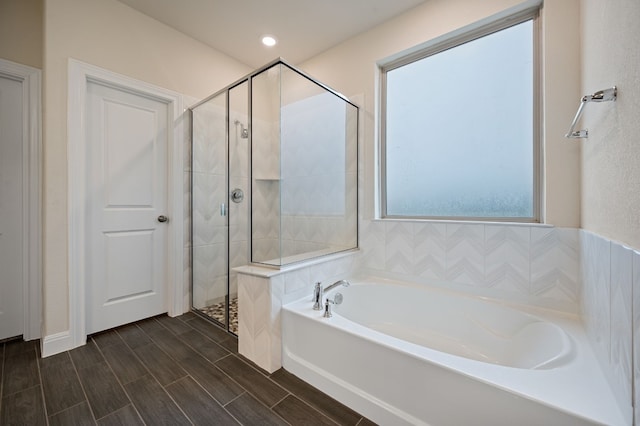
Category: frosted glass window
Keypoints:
(459, 131)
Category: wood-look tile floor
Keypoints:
(163, 370)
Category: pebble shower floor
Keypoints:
(217, 312)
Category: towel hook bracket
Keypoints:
(605, 95)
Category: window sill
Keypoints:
(464, 222)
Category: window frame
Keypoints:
(448, 41)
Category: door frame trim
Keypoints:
(80, 74)
(31, 79)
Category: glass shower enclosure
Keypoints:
(274, 176)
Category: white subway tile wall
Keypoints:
(610, 283)
(621, 320)
(596, 291)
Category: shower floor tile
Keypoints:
(217, 312)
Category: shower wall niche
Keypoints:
(274, 180)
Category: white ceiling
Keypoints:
(304, 28)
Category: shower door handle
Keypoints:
(223, 209)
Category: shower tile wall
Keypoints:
(238, 212)
(266, 189)
(531, 264)
(298, 165)
(318, 166)
(611, 284)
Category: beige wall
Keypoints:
(350, 69)
(611, 155)
(113, 36)
(21, 31)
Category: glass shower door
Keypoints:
(239, 187)
(210, 236)
(220, 213)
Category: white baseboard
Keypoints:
(56, 343)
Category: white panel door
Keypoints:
(11, 208)
(127, 141)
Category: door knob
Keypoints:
(162, 219)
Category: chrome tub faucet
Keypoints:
(317, 296)
(318, 291)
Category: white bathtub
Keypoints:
(402, 354)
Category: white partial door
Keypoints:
(11, 208)
(127, 142)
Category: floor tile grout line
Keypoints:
(278, 414)
(122, 385)
(259, 402)
(178, 362)
(174, 401)
(2, 378)
(267, 376)
(223, 406)
(281, 399)
(250, 393)
(205, 337)
(130, 400)
(44, 401)
(310, 404)
(68, 408)
(21, 390)
(314, 409)
(1, 385)
(156, 379)
(212, 365)
(84, 392)
(233, 399)
(151, 338)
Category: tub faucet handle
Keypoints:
(327, 308)
(317, 296)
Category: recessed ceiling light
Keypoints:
(269, 41)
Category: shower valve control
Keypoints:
(237, 195)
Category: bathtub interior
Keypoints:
(478, 331)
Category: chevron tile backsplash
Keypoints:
(528, 262)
